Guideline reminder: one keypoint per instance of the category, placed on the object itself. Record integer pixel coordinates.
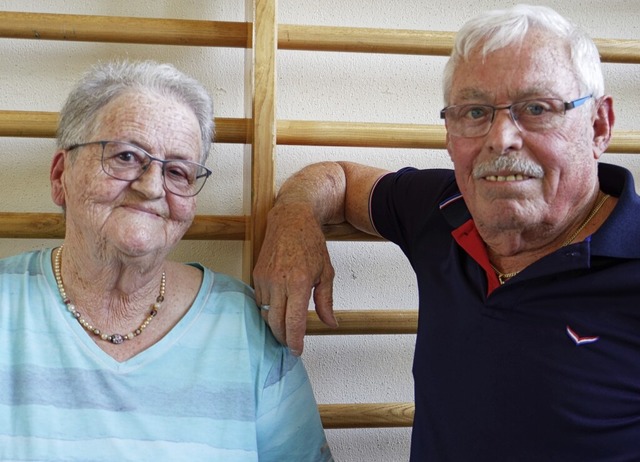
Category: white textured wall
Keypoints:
(311, 86)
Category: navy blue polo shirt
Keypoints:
(543, 368)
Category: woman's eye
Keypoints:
(126, 156)
(177, 173)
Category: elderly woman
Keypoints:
(109, 350)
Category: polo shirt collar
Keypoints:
(619, 236)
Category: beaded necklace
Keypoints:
(503, 277)
(116, 339)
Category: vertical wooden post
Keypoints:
(260, 156)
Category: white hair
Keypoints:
(497, 29)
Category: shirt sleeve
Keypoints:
(401, 202)
(288, 421)
(288, 425)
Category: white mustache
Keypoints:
(509, 165)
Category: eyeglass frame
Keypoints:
(207, 172)
(567, 105)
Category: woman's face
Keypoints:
(140, 217)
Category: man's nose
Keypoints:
(508, 112)
(505, 134)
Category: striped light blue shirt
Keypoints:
(217, 387)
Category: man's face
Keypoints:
(529, 180)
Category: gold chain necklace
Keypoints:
(116, 339)
(503, 277)
(595, 210)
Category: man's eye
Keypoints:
(475, 112)
(535, 108)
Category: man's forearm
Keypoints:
(318, 189)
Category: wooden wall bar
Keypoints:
(262, 132)
(87, 28)
(32, 124)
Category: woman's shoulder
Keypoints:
(223, 283)
(26, 262)
(203, 285)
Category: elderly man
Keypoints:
(526, 253)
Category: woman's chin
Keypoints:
(139, 245)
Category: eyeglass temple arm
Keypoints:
(576, 103)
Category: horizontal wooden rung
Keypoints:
(366, 322)
(360, 134)
(39, 124)
(121, 29)
(188, 32)
(33, 124)
(366, 415)
(46, 225)
(38, 225)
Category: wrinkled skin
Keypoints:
(520, 217)
(119, 233)
(524, 216)
(288, 292)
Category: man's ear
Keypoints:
(602, 125)
(56, 178)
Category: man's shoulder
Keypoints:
(439, 180)
(444, 173)
(619, 234)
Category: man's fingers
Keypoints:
(296, 318)
(277, 315)
(296, 327)
(323, 299)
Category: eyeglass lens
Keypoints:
(470, 120)
(128, 163)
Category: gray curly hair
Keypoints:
(106, 81)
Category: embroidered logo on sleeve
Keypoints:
(580, 340)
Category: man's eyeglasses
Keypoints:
(127, 162)
(534, 115)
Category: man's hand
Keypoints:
(293, 264)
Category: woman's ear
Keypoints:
(602, 125)
(56, 178)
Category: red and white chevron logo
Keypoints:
(580, 340)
